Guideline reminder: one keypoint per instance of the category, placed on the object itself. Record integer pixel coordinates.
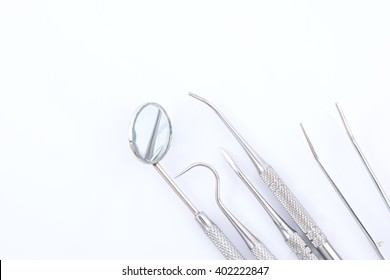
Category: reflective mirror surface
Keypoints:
(150, 133)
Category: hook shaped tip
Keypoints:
(200, 164)
(185, 170)
(215, 173)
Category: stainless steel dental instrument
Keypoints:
(282, 192)
(363, 158)
(291, 237)
(370, 239)
(149, 137)
(258, 249)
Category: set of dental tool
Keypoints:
(150, 135)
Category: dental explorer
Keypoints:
(291, 237)
(150, 135)
(282, 192)
(379, 187)
(370, 239)
(258, 249)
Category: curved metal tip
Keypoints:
(197, 164)
(258, 162)
(197, 97)
(204, 100)
(212, 169)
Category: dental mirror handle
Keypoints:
(213, 232)
(258, 249)
(218, 238)
(298, 213)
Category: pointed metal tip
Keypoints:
(345, 123)
(338, 107)
(309, 142)
(223, 151)
(188, 168)
(340, 110)
(230, 160)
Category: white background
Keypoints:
(73, 72)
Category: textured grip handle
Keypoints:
(215, 234)
(261, 252)
(293, 207)
(299, 247)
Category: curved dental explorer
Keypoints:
(291, 237)
(258, 249)
(282, 192)
(363, 158)
(370, 239)
(149, 137)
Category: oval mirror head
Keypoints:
(150, 133)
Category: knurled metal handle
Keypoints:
(219, 239)
(298, 213)
(261, 252)
(299, 247)
(293, 206)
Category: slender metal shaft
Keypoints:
(176, 189)
(359, 222)
(363, 158)
(213, 232)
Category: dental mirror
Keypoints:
(150, 133)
